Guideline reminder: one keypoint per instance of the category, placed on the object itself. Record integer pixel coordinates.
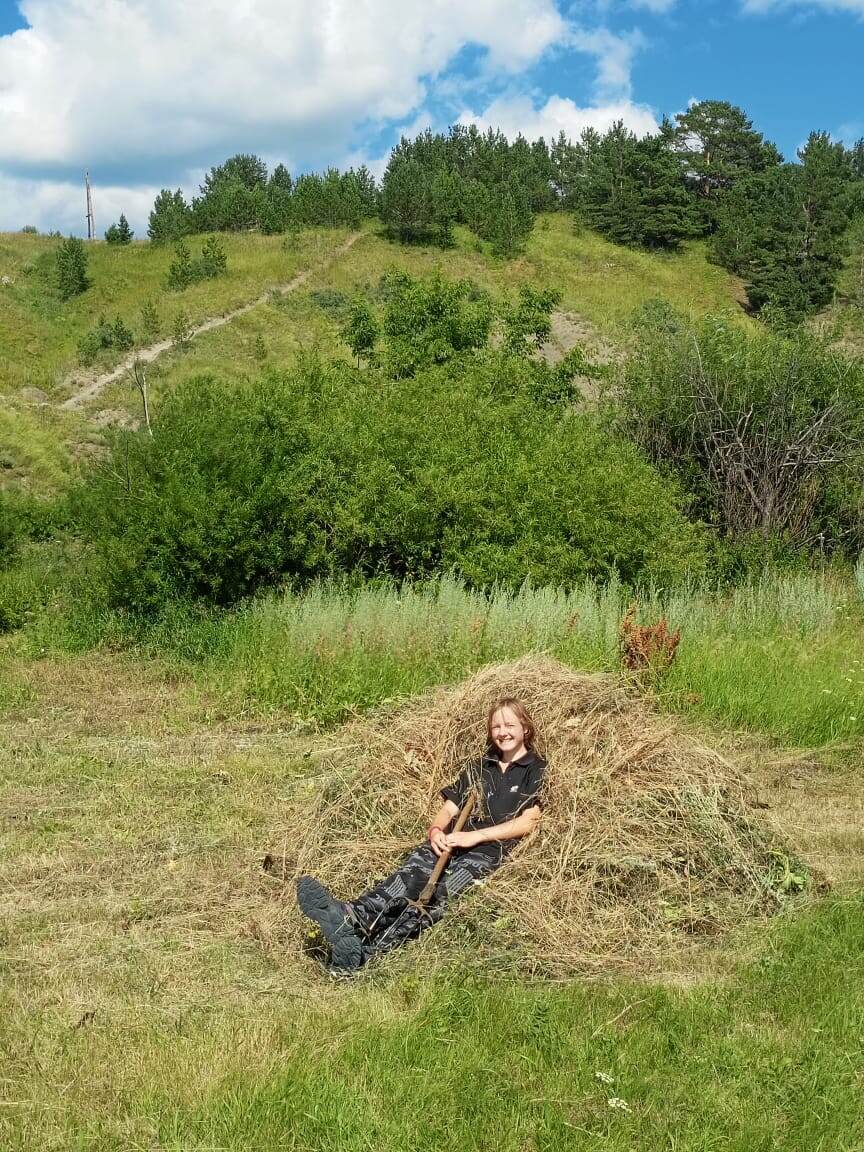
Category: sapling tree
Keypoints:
(361, 330)
(72, 278)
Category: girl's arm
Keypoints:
(522, 825)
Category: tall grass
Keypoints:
(782, 655)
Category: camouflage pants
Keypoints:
(383, 915)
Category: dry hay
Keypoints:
(647, 840)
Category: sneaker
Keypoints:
(331, 917)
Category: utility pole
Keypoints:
(91, 222)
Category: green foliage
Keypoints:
(151, 322)
(528, 323)
(718, 146)
(436, 181)
(431, 321)
(105, 335)
(71, 268)
(120, 233)
(170, 219)
(759, 426)
(361, 329)
(184, 271)
(181, 330)
(25, 518)
(783, 230)
(180, 274)
(320, 474)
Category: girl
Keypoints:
(506, 781)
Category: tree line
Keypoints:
(708, 173)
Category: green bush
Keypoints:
(184, 271)
(765, 429)
(105, 335)
(24, 517)
(326, 472)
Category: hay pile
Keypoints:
(647, 839)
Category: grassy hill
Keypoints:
(601, 285)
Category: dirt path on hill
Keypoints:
(153, 351)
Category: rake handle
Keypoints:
(444, 859)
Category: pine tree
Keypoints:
(511, 221)
(782, 230)
(120, 233)
(72, 278)
(719, 146)
(213, 261)
(171, 218)
(406, 207)
(182, 271)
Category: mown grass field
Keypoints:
(149, 1001)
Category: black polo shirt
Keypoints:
(501, 796)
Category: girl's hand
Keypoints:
(462, 840)
(438, 840)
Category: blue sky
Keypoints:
(149, 93)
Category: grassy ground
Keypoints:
(147, 1000)
(782, 657)
(39, 332)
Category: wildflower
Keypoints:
(617, 1103)
(604, 1078)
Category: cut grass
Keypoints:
(144, 1003)
(771, 1061)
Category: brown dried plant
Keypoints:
(647, 650)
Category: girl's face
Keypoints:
(508, 735)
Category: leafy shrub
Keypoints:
(184, 271)
(105, 335)
(318, 474)
(23, 518)
(766, 430)
(432, 321)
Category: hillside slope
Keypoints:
(600, 283)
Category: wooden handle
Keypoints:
(443, 860)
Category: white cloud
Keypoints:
(136, 81)
(59, 204)
(614, 55)
(757, 6)
(558, 114)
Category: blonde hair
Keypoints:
(518, 708)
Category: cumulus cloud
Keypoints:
(612, 96)
(123, 81)
(59, 204)
(559, 114)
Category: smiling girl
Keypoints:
(506, 781)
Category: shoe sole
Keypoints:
(318, 905)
